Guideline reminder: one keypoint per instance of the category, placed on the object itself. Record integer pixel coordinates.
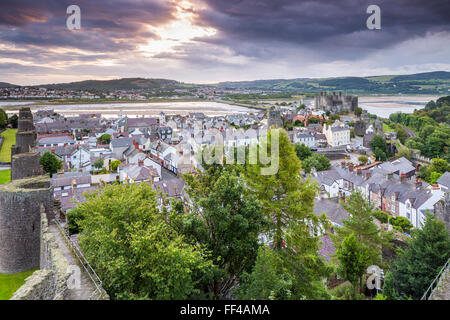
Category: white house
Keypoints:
(80, 158)
(304, 138)
(337, 134)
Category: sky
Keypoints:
(208, 41)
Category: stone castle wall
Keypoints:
(49, 283)
(25, 165)
(336, 102)
(442, 210)
(20, 202)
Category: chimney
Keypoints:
(435, 187)
(350, 167)
(389, 175)
(368, 175)
(343, 164)
(358, 171)
(403, 178)
(418, 183)
(74, 185)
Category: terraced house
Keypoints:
(398, 192)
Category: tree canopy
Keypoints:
(418, 264)
(137, 254)
(50, 163)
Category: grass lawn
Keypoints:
(387, 128)
(9, 283)
(10, 139)
(5, 176)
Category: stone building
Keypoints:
(360, 128)
(442, 210)
(21, 200)
(336, 102)
(24, 159)
(274, 119)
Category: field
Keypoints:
(5, 176)
(9, 283)
(10, 139)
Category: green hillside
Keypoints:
(420, 83)
(118, 84)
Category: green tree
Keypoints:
(404, 152)
(302, 151)
(3, 118)
(280, 275)
(434, 177)
(360, 223)
(379, 154)
(417, 265)
(288, 201)
(50, 163)
(379, 148)
(318, 161)
(363, 159)
(432, 172)
(353, 260)
(298, 123)
(98, 164)
(227, 222)
(138, 255)
(313, 120)
(104, 139)
(358, 111)
(115, 164)
(401, 134)
(14, 121)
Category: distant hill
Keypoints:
(7, 85)
(437, 82)
(118, 84)
(420, 83)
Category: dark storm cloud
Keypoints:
(254, 38)
(324, 23)
(112, 25)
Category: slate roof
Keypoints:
(139, 173)
(171, 188)
(334, 212)
(56, 140)
(59, 151)
(398, 166)
(445, 179)
(328, 177)
(67, 180)
(121, 142)
(141, 122)
(73, 195)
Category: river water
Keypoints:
(141, 109)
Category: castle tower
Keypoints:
(20, 202)
(24, 161)
(274, 119)
(20, 222)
